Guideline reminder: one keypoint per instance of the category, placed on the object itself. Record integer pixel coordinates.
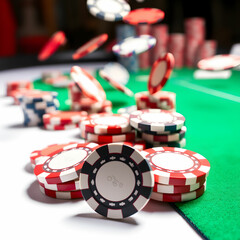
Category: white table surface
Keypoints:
(27, 214)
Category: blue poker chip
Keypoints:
(134, 45)
(108, 10)
(116, 181)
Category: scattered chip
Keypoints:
(90, 46)
(65, 165)
(177, 166)
(60, 194)
(108, 10)
(157, 120)
(106, 123)
(88, 84)
(134, 45)
(115, 84)
(179, 197)
(160, 72)
(144, 15)
(52, 45)
(116, 181)
(219, 62)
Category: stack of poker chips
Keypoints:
(57, 168)
(83, 103)
(161, 99)
(63, 120)
(180, 175)
(35, 104)
(159, 128)
(105, 128)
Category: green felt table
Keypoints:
(212, 111)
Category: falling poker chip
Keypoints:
(65, 165)
(108, 10)
(177, 166)
(116, 181)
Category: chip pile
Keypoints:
(159, 128)
(107, 128)
(63, 120)
(57, 168)
(180, 175)
(35, 104)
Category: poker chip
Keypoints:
(117, 72)
(63, 187)
(138, 145)
(64, 117)
(179, 197)
(144, 15)
(134, 45)
(160, 72)
(52, 45)
(91, 137)
(65, 165)
(115, 84)
(177, 166)
(90, 46)
(108, 10)
(106, 123)
(173, 189)
(18, 85)
(43, 154)
(157, 120)
(177, 144)
(219, 62)
(60, 194)
(89, 86)
(116, 181)
(61, 127)
(173, 137)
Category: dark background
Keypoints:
(25, 25)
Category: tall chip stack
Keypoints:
(159, 128)
(160, 32)
(124, 31)
(195, 35)
(144, 58)
(176, 46)
(206, 49)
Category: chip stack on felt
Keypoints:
(107, 128)
(63, 120)
(159, 128)
(35, 104)
(87, 94)
(180, 175)
(57, 168)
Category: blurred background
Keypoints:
(26, 25)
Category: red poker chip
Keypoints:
(115, 84)
(64, 117)
(52, 45)
(106, 123)
(177, 166)
(219, 62)
(91, 137)
(60, 194)
(89, 86)
(60, 127)
(39, 155)
(65, 165)
(138, 145)
(90, 46)
(144, 15)
(67, 186)
(160, 72)
(173, 189)
(180, 197)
